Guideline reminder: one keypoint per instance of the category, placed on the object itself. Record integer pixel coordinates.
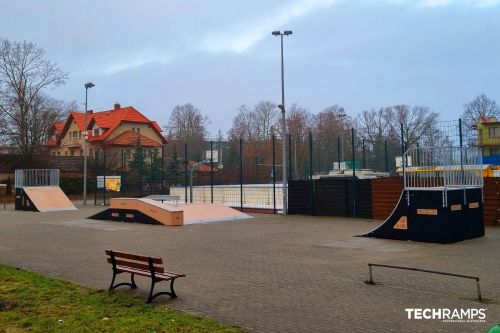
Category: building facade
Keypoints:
(488, 138)
(121, 128)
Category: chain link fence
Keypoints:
(247, 174)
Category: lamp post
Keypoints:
(283, 120)
(88, 85)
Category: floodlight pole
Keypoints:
(88, 85)
(283, 122)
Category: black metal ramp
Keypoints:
(435, 216)
(396, 225)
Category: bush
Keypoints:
(75, 185)
(8, 190)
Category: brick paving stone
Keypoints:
(272, 273)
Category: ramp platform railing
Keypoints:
(36, 177)
(427, 168)
(442, 169)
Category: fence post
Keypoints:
(386, 157)
(364, 159)
(122, 176)
(141, 168)
(274, 174)
(290, 157)
(311, 181)
(96, 155)
(353, 159)
(241, 174)
(211, 171)
(104, 177)
(162, 177)
(338, 151)
(310, 157)
(185, 172)
(257, 168)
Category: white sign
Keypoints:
(215, 155)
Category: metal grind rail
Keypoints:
(478, 287)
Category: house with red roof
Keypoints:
(121, 128)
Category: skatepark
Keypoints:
(269, 272)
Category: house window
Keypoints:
(72, 153)
(494, 151)
(58, 153)
(494, 132)
(96, 131)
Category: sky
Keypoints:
(219, 54)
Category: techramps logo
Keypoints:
(446, 315)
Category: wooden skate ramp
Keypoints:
(48, 199)
(150, 208)
(148, 211)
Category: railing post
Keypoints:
(241, 174)
(353, 159)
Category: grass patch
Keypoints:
(31, 302)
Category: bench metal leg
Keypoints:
(112, 281)
(170, 293)
(132, 281)
(131, 284)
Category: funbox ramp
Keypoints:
(43, 199)
(421, 216)
(142, 210)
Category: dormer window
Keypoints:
(96, 131)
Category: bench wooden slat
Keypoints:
(162, 276)
(136, 257)
(131, 264)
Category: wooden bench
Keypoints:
(141, 265)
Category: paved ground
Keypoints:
(271, 273)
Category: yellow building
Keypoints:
(488, 138)
(122, 128)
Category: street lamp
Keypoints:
(283, 120)
(88, 85)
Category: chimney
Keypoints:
(117, 106)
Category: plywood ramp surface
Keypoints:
(205, 213)
(49, 199)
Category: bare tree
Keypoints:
(331, 122)
(374, 125)
(265, 116)
(299, 121)
(481, 106)
(24, 109)
(243, 124)
(188, 125)
(417, 122)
